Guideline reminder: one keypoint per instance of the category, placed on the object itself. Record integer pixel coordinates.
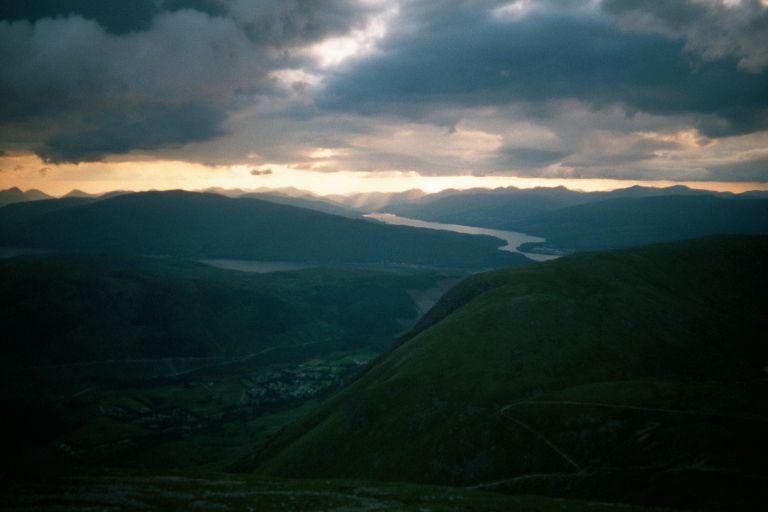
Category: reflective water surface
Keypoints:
(512, 238)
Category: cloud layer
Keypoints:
(84, 80)
(613, 88)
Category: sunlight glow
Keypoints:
(323, 153)
(514, 10)
(27, 171)
(288, 77)
(333, 51)
(685, 139)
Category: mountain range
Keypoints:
(494, 208)
(16, 195)
(576, 221)
(203, 225)
(634, 221)
(625, 376)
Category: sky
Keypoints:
(337, 96)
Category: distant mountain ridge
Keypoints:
(498, 208)
(201, 225)
(634, 221)
(376, 201)
(305, 201)
(75, 192)
(16, 195)
(577, 221)
(570, 220)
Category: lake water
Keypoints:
(513, 239)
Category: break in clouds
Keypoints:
(614, 88)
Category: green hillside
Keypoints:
(82, 308)
(201, 225)
(149, 362)
(14, 215)
(633, 376)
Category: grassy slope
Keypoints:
(201, 225)
(81, 308)
(21, 213)
(630, 376)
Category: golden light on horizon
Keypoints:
(27, 172)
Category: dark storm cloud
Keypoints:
(295, 21)
(116, 16)
(527, 157)
(709, 27)
(84, 79)
(159, 126)
(80, 93)
(466, 56)
(747, 170)
(672, 13)
(616, 88)
(267, 21)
